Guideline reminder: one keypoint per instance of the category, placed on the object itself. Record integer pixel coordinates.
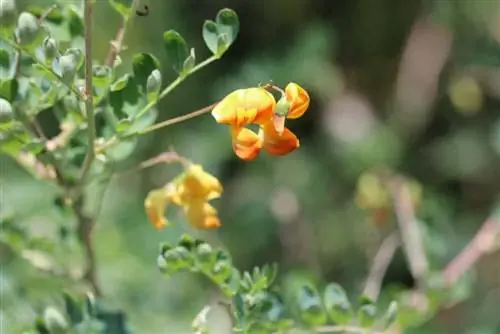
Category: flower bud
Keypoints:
(50, 49)
(28, 28)
(205, 254)
(55, 321)
(178, 258)
(222, 270)
(68, 66)
(5, 111)
(7, 13)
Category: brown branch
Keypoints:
(381, 262)
(116, 44)
(408, 226)
(482, 243)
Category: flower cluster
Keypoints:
(258, 106)
(192, 191)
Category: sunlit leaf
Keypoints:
(124, 7)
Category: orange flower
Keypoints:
(257, 106)
(191, 190)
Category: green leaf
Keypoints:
(337, 304)
(228, 23)
(153, 85)
(120, 83)
(367, 315)
(50, 50)
(143, 65)
(124, 7)
(123, 125)
(72, 309)
(4, 60)
(28, 30)
(101, 76)
(8, 89)
(310, 306)
(210, 35)
(14, 141)
(221, 271)
(6, 114)
(205, 256)
(42, 71)
(40, 326)
(270, 271)
(390, 315)
(122, 150)
(189, 62)
(54, 16)
(222, 44)
(75, 23)
(176, 48)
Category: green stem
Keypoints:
(19, 48)
(176, 83)
(89, 104)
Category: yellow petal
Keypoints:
(276, 144)
(246, 143)
(196, 183)
(155, 205)
(299, 100)
(245, 106)
(202, 215)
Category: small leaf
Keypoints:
(153, 85)
(123, 125)
(337, 304)
(27, 28)
(270, 271)
(8, 89)
(228, 23)
(68, 67)
(205, 256)
(143, 64)
(210, 35)
(4, 60)
(75, 23)
(55, 16)
(40, 324)
(310, 306)
(221, 271)
(54, 321)
(222, 44)
(6, 114)
(72, 309)
(188, 242)
(367, 314)
(50, 50)
(43, 72)
(124, 7)
(120, 83)
(189, 63)
(390, 315)
(101, 76)
(177, 50)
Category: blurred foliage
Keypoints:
(406, 86)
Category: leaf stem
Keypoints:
(176, 83)
(89, 104)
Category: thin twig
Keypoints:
(89, 103)
(410, 233)
(482, 243)
(345, 329)
(380, 264)
(116, 44)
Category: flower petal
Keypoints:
(246, 143)
(197, 183)
(202, 215)
(299, 100)
(155, 205)
(245, 106)
(276, 144)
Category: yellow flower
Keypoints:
(191, 190)
(257, 106)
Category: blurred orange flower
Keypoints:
(257, 106)
(191, 190)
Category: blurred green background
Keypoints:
(412, 85)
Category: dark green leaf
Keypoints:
(122, 150)
(4, 60)
(8, 89)
(115, 322)
(228, 23)
(177, 50)
(367, 314)
(75, 23)
(40, 326)
(124, 7)
(187, 241)
(72, 309)
(143, 65)
(337, 304)
(54, 16)
(310, 306)
(365, 300)
(210, 35)
(232, 285)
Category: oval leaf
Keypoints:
(210, 35)
(143, 64)
(228, 23)
(390, 315)
(310, 306)
(337, 304)
(367, 314)
(177, 50)
(120, 84)
(189, 63)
